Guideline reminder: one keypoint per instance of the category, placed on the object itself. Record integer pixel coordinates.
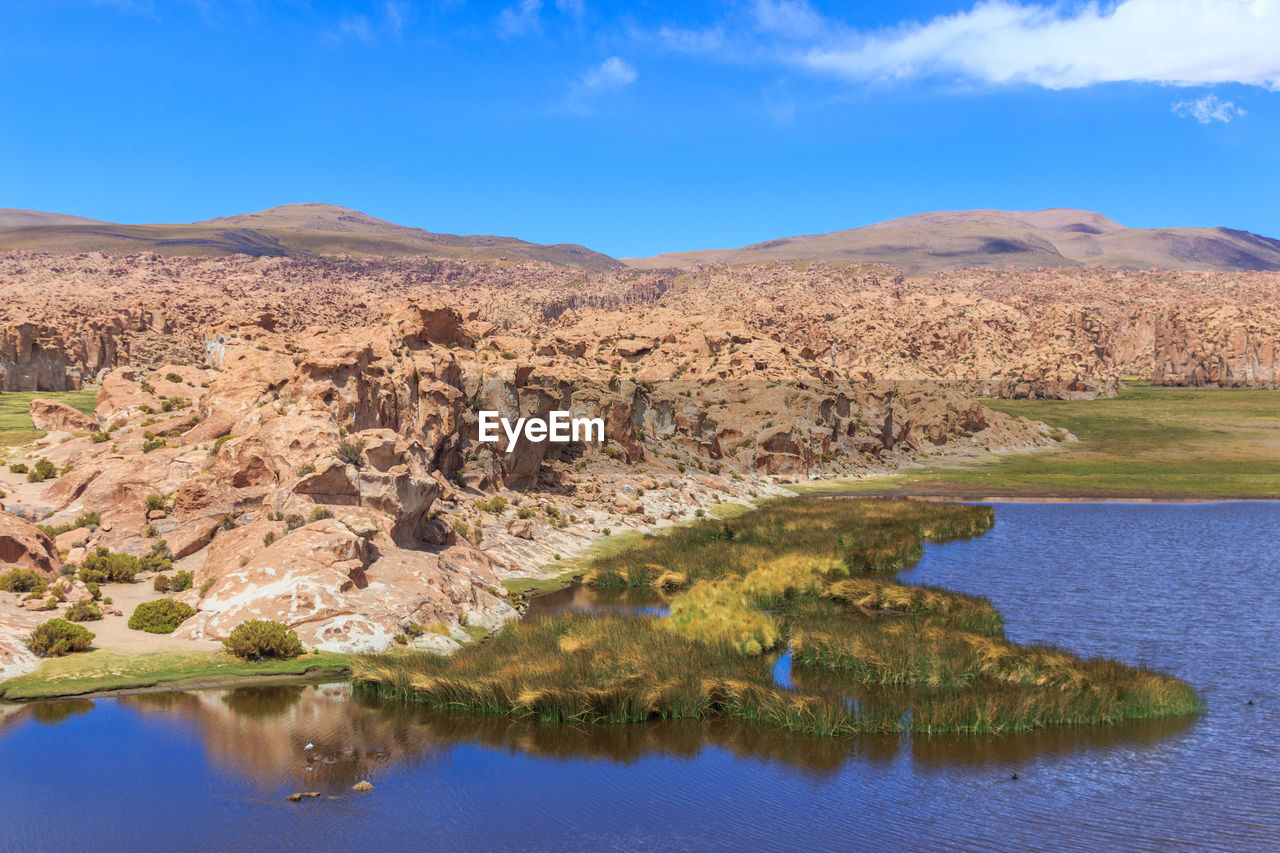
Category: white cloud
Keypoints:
(789, 18)
(1207, 109)
(358, 26)
(1183, 42)
(612, 75)
(520, 19)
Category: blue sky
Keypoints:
(642, 127)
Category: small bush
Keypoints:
(103, 566)
(58, 637)
(258, 639)
(524, 512)
(159, 560)
(21, 580)
(172, 377)
(161, 583)
(93, 590)
(83, 611)
(206, 586)
(217, 444)
(292, 522)
(18, 468)
(161, 616)
(155, 502)
(304, 470)
(350, 452)
(181, 581)
(320, 513)
(269, 538)
(496, 505)
(172, 403)
(152, 444)
(44, 470)
(99, 437)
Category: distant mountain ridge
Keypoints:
(292, 230)
(1056, 237)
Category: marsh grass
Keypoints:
(868, 654)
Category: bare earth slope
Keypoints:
(950, 240)
(294, 230)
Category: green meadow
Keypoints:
(1170, 443)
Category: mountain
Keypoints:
(1058, 237)
(293, 230)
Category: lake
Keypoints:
(1191, 589)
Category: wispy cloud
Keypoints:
(1207, 109)
(1182, 42)
(520, 19)
(611, 76)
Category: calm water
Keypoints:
(1192, 589)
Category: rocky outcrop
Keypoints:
(1037, 332)
(55, 416)
(25, 546)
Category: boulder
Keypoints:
(25, 546)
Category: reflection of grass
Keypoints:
(101, 670)
(804, 571)
(15, 424)
(1148, 442)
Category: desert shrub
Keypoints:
(18, 468)
(261, 638)
(496, 505)
(181, 581)
(304, 470)
(269, 537)
(320, 513)
(21, 580)
(99, 437)
(171, 403)
(228, 522)
(413, 629)
(206, 586)
(152, 444)
(103, 566)
(83, 611)
(292, 522)
(159, 560)
(172, 377)
(524, 512)
(217, 444)
(155, 502)
(161, 583)
(43, 470)
(161, 616)
(93, 590)
(147, 387)
(58, 637)
(350, 452)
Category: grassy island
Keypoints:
(806, 575)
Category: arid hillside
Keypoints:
(293, 230)
(952, 240)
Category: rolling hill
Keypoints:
(293, 230)
(1058, 237)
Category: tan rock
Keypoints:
(56, 416)
(25, 546)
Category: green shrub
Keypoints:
(217, 444)
(496, 505)
(206, 586)
(320, 513)
(161, 583)
(161, 616)
(524, 512)
(93, 590)
(152, 444)
(99, 437)
(269, 538)
(171, 403)
(159, 560)
(18, 468)
(350, 452)
(21, 580)
(155, 502)
(304, 470)
(103, 566)
(172, 377)
(181, 581)
(292, 522)
(83, 611)
(44, 470)
(258, 639)
(58, 637)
